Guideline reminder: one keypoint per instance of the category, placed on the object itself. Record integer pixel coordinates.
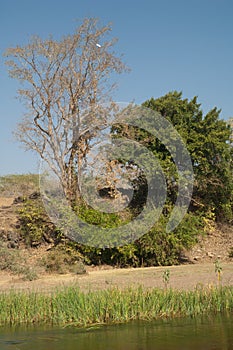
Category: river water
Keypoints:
(203, 333)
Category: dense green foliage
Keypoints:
(70, 306)
(154, 248)
(207, 139)
(35, 225)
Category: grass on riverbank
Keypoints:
(70, 306)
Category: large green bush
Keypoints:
(154, 248)
(35, 225)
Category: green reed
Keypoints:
(70, 306)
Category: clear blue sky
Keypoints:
(182, 45)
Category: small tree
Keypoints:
(207, 139)
(61, 79)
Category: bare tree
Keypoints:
(60, 80)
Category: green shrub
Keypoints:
(95, 217)
(35, 226)
(62, 259)
(13, 261)
(157, 247)
(29, 274)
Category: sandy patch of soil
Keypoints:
(6, 201)
(183, 277)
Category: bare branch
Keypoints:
(60, 80)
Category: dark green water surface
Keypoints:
(206, 333)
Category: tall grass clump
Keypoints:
(70, 306)
(12, 260)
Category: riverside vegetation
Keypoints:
(46, 69)
(70, 306)
(57, 85)
(34, 230)
(209, 142)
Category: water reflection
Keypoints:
(212, 333)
